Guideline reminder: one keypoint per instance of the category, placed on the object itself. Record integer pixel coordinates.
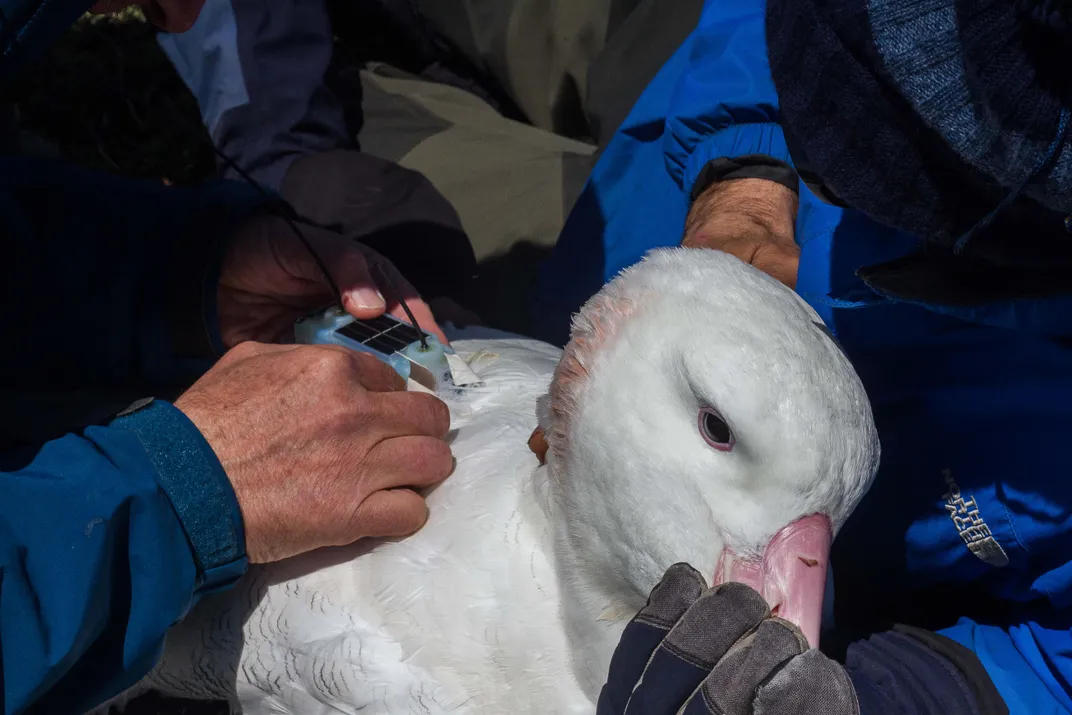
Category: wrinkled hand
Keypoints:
(323, 445)
(700, 651)
(268, 280)
(752, 219)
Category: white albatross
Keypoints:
(701, 413)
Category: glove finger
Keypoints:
(712, 625)
(809, 683)
(731, 687)
(669, 600)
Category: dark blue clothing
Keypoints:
(109, 536)
(968, 529)
(258, 70)
(926, 114)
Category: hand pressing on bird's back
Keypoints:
(752, 219)
(322, 445)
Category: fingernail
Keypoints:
(368, 298)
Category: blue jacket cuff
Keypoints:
(193, 479)
(737, 140)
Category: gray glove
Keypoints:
(699, 651)
(696, 651)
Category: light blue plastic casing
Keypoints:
(322, 329)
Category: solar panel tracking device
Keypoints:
(387, 338)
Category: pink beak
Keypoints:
(791, 574)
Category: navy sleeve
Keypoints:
(911, 671)
(106, 280)
(107, 539)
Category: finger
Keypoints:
(731, 687)
(809, 683)
(369, 372)
(390, 279)
(418, 414)
(393, 512)
(410, 462)
(680, 586)
(351, 272)
(701, 638)
(374, 374)
(424, 317)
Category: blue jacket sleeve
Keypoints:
(724, 103)
(713, 98)
(1028, 663)
(106, 280)
(106, 540)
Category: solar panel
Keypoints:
(381, 334)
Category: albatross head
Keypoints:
(701, 413)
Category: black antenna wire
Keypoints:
(312, 251)
(290, 222)
(398, 297)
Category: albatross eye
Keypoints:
(715, 431)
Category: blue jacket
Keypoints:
(968, 529)
(109, 536)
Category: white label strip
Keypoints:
(461, 373)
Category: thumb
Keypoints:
(390, 512)
(351, 272)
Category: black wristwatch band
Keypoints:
(749, 166)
